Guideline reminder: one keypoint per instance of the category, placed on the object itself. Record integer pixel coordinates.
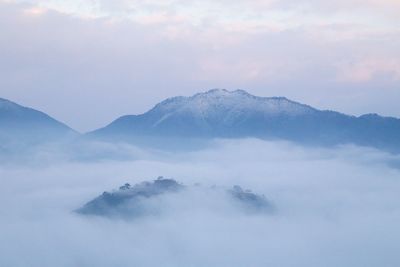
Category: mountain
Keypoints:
(220, 113)
(21, 126)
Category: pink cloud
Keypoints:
(34, 11)
(367, 69)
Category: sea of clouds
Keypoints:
(334, 207)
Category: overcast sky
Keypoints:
(88, 62)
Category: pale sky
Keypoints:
(88, 62)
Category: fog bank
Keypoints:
(334, 207)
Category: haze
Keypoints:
(335, 207)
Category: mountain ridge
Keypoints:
(21, 126)
(219, 113)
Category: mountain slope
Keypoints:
(236, 114)
(21, 125)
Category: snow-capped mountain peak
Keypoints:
(223, 102)
(220, 113)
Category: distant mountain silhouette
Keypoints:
(220, 113)
(21, 126)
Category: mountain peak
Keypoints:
(223, 92)
(7, 104)
(228, 103)
(24, 120)
(216, 91)
(220, 113)
(239, 94)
